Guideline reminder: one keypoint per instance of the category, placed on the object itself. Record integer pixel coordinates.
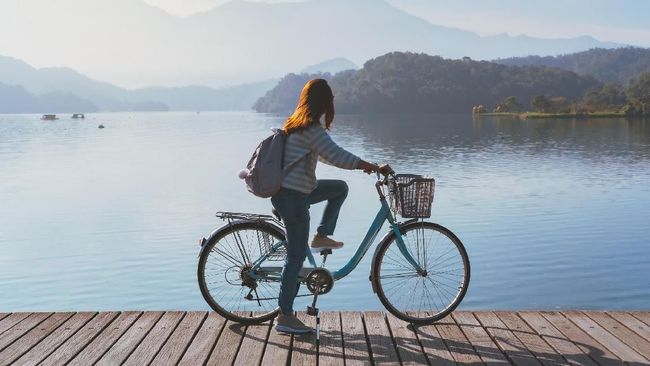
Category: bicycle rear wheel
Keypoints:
(224, 272)
(430, 295)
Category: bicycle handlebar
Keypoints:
(386, 171)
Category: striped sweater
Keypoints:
(317, 144)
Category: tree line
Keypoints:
(617, 65)
(420, 83)
(631, 100)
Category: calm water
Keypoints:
(554, 213)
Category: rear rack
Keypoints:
(230, 216)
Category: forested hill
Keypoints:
(411, 82)
(619, 65)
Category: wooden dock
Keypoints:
(352, 338)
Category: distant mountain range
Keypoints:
(15, 99)
(61, 90)
(608, 65)
(133, 44)
(26, 89)
(330, 66)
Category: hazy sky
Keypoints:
(136, 43)
(623, 21)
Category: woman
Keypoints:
(308, 142)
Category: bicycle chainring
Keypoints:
(319, 281)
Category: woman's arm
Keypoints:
(328, 150)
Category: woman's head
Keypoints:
(316, 100)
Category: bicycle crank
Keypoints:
(319, 281)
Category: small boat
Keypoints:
(49, 117)
(78, 115)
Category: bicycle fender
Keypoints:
(386, 238)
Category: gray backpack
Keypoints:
(265, 171)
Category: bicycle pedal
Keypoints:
(312, 311)
(326, 252)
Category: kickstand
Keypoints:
(313, 310)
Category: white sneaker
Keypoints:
(319, 243)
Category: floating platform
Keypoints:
(350, 338)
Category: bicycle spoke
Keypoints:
(435, 291)
(226, 282)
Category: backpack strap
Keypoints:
(285, 169)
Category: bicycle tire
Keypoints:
(422, 315)
(239, 315)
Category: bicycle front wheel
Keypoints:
(429, 295)
(224, 272)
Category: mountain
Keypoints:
(133, 44)
(107, 97)
(618, 65)
(409, 82)
(15, 99)
(197, 98)
(331, 66)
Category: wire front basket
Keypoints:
(412, 195)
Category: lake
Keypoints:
(553, 213)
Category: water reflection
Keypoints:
(404, 134)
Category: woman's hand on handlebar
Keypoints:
(385, 169)
(368, 168)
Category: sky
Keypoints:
(137, 43)
(622, 21)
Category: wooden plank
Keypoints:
(534, 343)
(55, 339)
(379, 338)
(151, 344)
(631, 322)
(516, 351)
(173, 349)
(605, 338)
(278, 348)
(22, 327)
(584, 341)
(406, 342)
(32, 337)
(355, 347)
(104, 340)
(330, 350)
(643, 316)
(457, 344)
(433, 346)
(204, 340)
(79, 340)
(479, 339)
(631, 339)
(121, 350)
(253, 344)
(225, 351)
(11, 320)
(303, 350)
(556, 339)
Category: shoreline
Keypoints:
(539, 115)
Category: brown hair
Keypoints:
(315, 100)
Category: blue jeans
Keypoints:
(293, 207)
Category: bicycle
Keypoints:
(420, 270)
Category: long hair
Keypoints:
(315, 100)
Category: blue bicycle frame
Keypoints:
(259, 272)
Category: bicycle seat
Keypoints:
(276, 214)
